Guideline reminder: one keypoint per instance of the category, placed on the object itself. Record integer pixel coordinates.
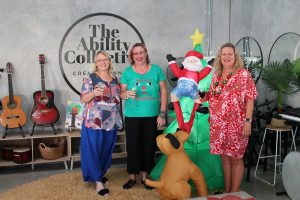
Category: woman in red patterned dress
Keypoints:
(231, 101)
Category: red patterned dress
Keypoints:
(228, 111)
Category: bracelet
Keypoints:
(125, 96)
(162, 114)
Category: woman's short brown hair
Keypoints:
(130, 54)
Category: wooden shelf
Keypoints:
(75, 158)
(75, 134)
(49, 135)
(36, 135)
(72, 149)
(4, 163)
(119, 155)
(15, 137)
(32, 142)
(120, 144)
(76, 155)
(41, 160)
(121, 133)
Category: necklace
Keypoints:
(144, 70)
(220, 83)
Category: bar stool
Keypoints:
(278, 131)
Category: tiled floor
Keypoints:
(13, 176)
(263, 191)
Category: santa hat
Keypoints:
(194, 53)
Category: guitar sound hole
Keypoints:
(44, 100)
(11, 105)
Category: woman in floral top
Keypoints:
(101, 120)
(231, 101)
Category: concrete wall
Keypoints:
(266, 21)
(31, 27)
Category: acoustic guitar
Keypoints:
(1, 70)
(13, 115)
(44, 111)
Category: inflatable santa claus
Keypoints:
(194, 68)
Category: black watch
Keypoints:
(249, 120)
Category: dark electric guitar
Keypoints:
(13, 115)
(44, 111)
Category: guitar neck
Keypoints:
(10, 89)
(43, 80)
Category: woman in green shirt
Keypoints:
(143, 86)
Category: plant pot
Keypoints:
(281, 123)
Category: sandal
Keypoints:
(147, 187)
(129, 184)
(218, 192)
(104, 179)
(103, 192)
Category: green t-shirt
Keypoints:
(147, 100)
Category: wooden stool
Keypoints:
(278, 131)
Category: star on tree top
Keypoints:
(197, 37)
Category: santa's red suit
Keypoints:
(187, 86)
(184, 73)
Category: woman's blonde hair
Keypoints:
(110, 68)
(238, 63)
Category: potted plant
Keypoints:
(281, 78)
(296, 77)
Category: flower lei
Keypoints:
(220, 83)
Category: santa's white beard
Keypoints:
(192, 66)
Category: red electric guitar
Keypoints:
(13, 115)
(44, 111)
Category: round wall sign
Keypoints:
(95, 32)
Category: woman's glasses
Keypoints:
(104, 60)
(138, 53)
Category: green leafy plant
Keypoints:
(296, 79)
(254, 67)
(281, 78)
